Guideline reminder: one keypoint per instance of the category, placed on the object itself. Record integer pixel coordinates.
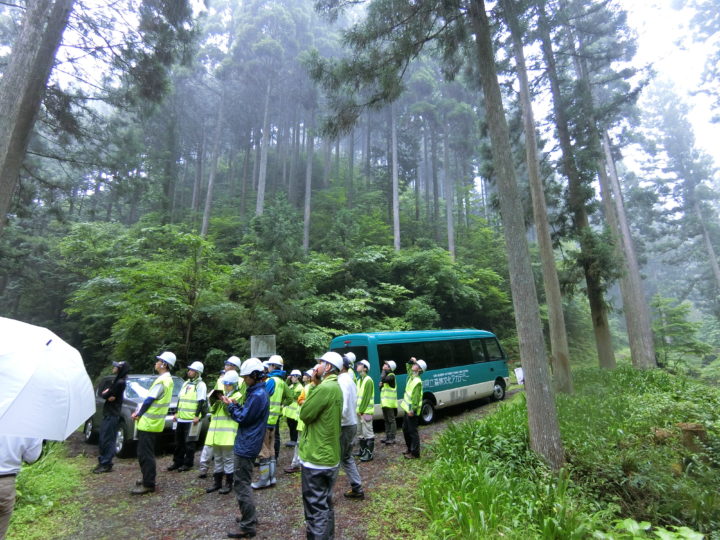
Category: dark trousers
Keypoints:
(412, 437)
(292, 428)
(389, 414)
(244, 493)
(317, 486)
(277, 440)
(146, 456)
(184, 449)
(108, 432)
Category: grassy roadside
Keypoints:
(630, 473)
(47, 505)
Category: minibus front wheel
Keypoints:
(499, 390)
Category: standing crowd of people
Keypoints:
(326, 408)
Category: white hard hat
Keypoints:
(309, 373)
(168, 358)
(197, 366)
(234, 361)
(365, 363)
(351, 356)
(275, 359)
(231, 377)
(295, 373)
(391, 364)
(422, 365)
(333, 358)
(250, 366)
(266, 365)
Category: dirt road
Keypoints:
(180, 509)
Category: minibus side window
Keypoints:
(478, 351)
(494, 352)
(439, 354)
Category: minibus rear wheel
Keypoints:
(427, 412)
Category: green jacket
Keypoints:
(321, 413)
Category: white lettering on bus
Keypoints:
(452, 377)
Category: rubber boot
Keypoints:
(361, 448)
(369, 450)
(228, 484)
(217, 479)
(264, 480)
(273, 480)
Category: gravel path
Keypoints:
(180, 509)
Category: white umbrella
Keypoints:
(45, 391)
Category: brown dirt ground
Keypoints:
(180, 509)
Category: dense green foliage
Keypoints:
(130, 291)
(627, 465)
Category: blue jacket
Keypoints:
(251, 417)
(270, 383)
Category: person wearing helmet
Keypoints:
(221, 433)
(190, 410)
(412, 403)
(150, 420)
(291, 411)
(365, 410)
(388, 400)
(206, 456)
(251, 418)
(308, 384)
(279, 394)
(350, 358)
(112, 408)
(320, 446)
(348, 429)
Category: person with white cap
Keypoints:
(251, 417)
(190, 410)
(365, 410)
(291, 411)
(388, 400)
(320, 446)
(206, 456)
(113, 395)
(279, 394)
(412, 403)
(150, 420)
(221, 433)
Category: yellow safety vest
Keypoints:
(153, 419)
(276, 401)
(407, 404)
(306, 390)
(187, 400)
(292, 411)
(223, 428)
(361, 386)
(388, 396)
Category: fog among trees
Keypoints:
(184, 175)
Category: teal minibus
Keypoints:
(463, 364)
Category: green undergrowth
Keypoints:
(629, 473)
(46, 503)
(393, 509)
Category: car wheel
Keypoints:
(89, 433)
(123, 441)
(498, 391)
(427, 412)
